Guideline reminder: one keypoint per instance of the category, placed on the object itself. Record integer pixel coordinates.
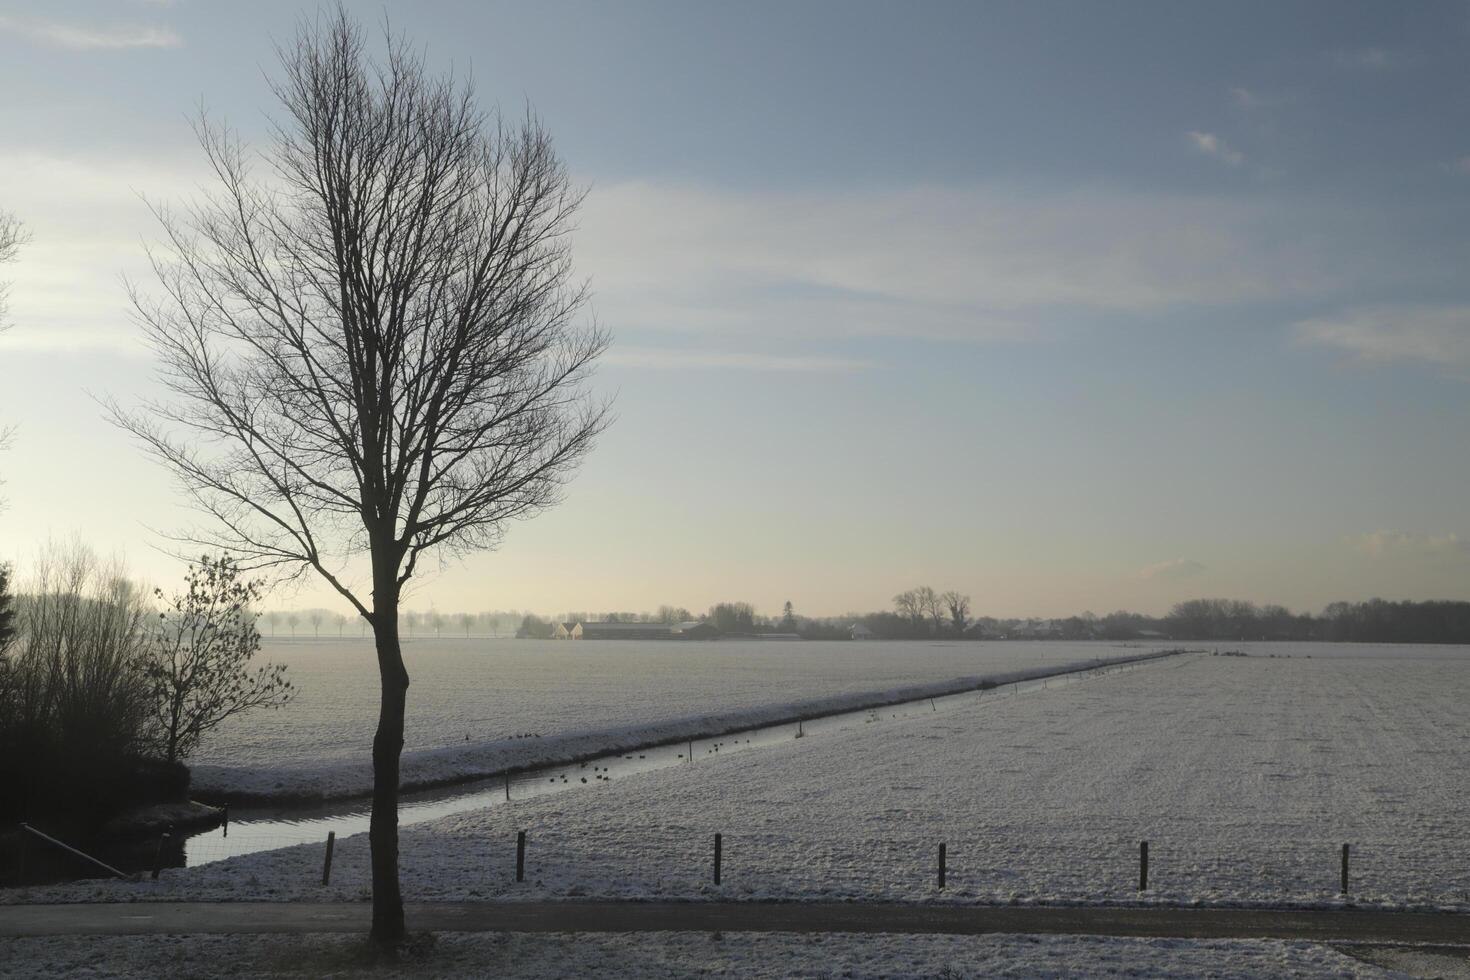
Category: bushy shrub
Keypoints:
(74, 707)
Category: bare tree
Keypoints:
(907, 604)
(959, 610)
(374, 355)
(316, 623)
(198, 659)
(12, 236)
(931, 606)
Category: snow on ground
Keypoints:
(472, 703)
(1245, 774)
(676, 955)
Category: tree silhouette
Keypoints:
(373, 355)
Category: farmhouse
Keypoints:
(861, 632)
(626, 631)
(567, 631)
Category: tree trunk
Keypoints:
(387, 748)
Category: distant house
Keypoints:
(627, 631)
(567, 631)
(695, 631)
(861, 632)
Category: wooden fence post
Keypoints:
(520, 855)
(1344, 869)
(941, 866)
(1143, 866)
(327, 862)
(227, 819)
(507, 787)
(718, 847)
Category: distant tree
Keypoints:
(908, 605)
(316, 623)
(291, 620)
(673, 614)
(7, 611)
(733, 617)
(436, 622)
(533, 627)
(959, 610)
(198, 658)
(341, 619)
(788, 618)
(932, 607)
(271, 619)
(412, 618)
(466, 620)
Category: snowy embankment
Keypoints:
(678, 955)
(1245, 775)
(601, 698)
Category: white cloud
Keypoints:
(1384, 544)
(745, 273)
(658, 358)
(1371, 59)
(1213, 146)
(1171, 571)
(76, 37)
(1244, 98)
(1438, 335)
(981, 262)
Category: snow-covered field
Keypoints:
(1245, 774)
(473, 703)
(665, 955)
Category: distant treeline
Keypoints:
(923, 614)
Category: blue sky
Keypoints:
(1066, 306)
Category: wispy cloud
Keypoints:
(1171, 571)
(974, 263)
(669, 359)
(1371, 59)
(1213, 146)
(78, 37)
(1385, 544)
(1460, 166)
(1438, 335)
(1244, 98)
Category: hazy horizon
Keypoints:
(1062, 306)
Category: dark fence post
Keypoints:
(507, 787)
(1344, 869)
(691, 750)
(941, 867)
(226, 809)
(158, 855)
(520, 855)
(718, 847)
(1143, 866)
(327, 862)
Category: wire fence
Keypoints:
(693, 861)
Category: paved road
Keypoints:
(142, 918)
